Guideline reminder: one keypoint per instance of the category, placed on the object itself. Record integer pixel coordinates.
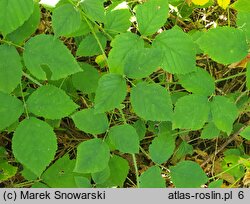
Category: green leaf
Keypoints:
(66, 20)
(241, 5)
(191, 112)
(89, 45)
(224, 113)
(117, 19)
(124, 138)
(119, 169)
(28, 28)
(102, 176)
(183, 149)
(151, 102)
(82, 182)
(210, 131)
(230, 43)
(187, 174)
(121, 47)
(141, 129)
(92, 156)
(15, 14)
(90, 122)
(151, 16)
(152, 178)
(179, 51)
(50, 102)
(62, 170)
(94, 9)
(10, 110)
(199, 82)
(34, 145)
(7, 171)
(110, 93)
(10, 68)
(87, 80)
(44, 52)
(162, 148)
(39, 185)
(246, 133)
(216, 184)
(243, 22)
(137, 65)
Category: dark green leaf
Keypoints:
(151, 102)
(90, 122)
(50, 102)
(44, 52)
(34, 145)
(188, 174)
(124, 138)
(92, 156)
(110, 93)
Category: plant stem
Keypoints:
(11, 43)
(123, 116)
(97, 39)
(230, 77)
(136, 170)
(31, 79)
(24, 102)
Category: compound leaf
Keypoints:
(50, 102)
(110, 93)
(34, 145)
(92, 156)
(187, 174)
(44, 52)
(151, 102)
(90, 122)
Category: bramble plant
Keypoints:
(151, 93)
